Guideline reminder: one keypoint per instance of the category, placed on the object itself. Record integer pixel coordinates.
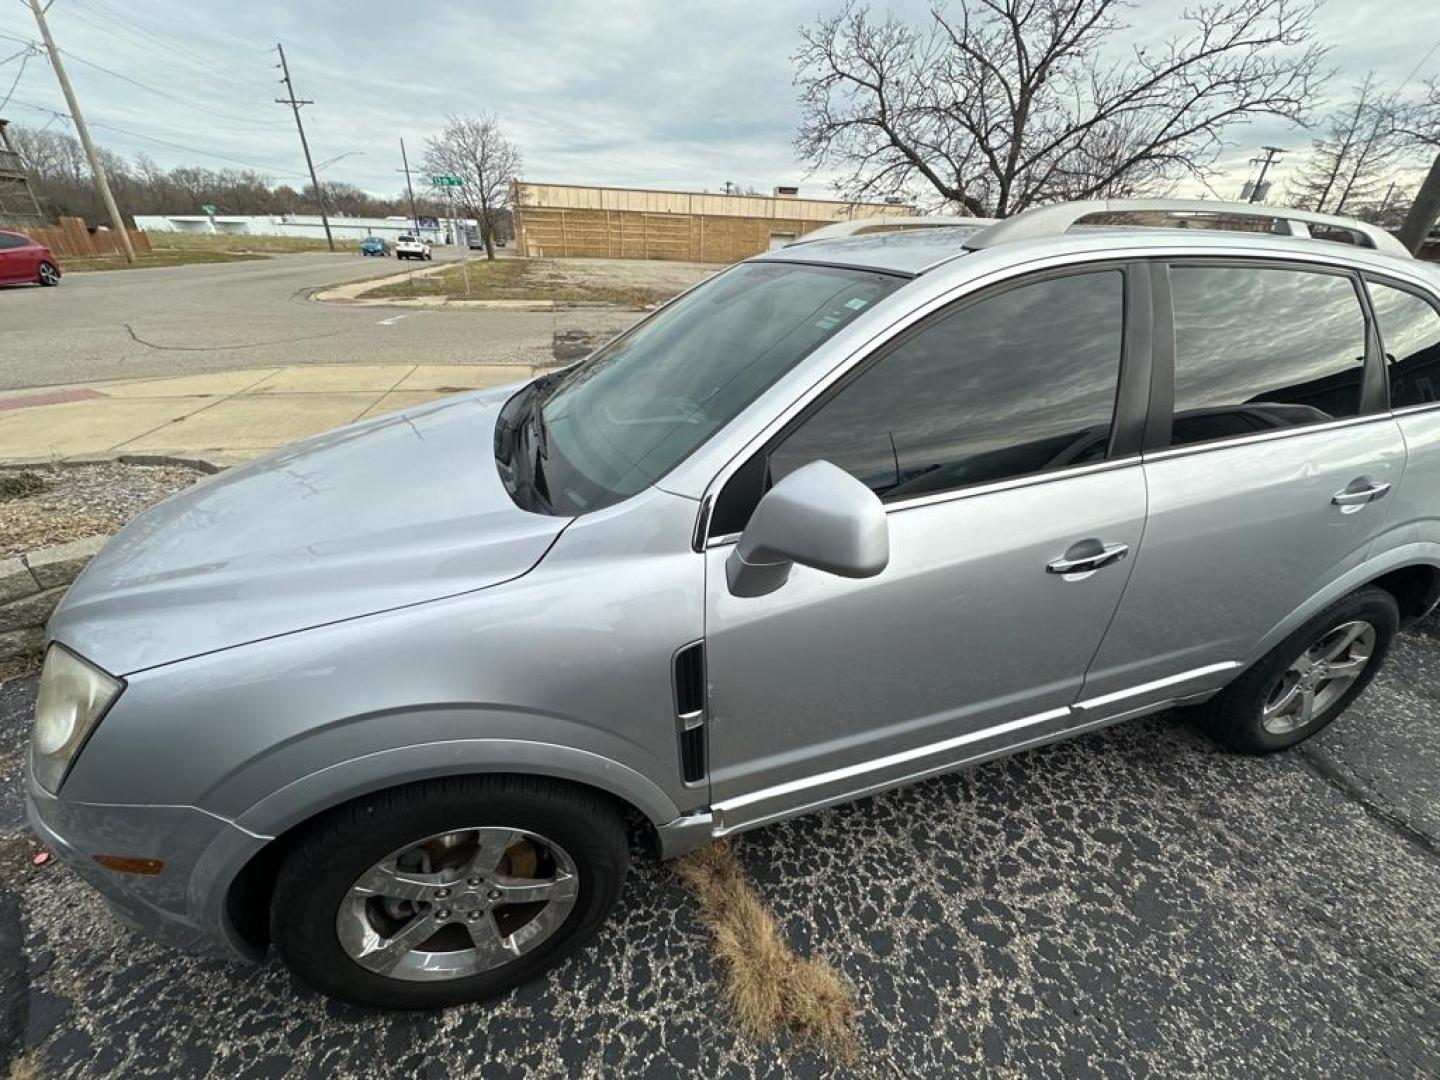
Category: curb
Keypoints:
(209, 467)
(349, 290)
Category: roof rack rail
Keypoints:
(856, 226)
(1050, 221)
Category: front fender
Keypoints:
(324, 788)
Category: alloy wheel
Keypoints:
(457, 903)
(1318, 677)
(48, 274)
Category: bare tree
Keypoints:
(1420, 125)
(474, 149)
(1347, 169)
(1003, 104)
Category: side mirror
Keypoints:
(818, 516)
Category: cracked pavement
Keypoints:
(1136, 901)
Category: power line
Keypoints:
(197, 150)
(208, 61)
(169, 96)
(57, 115)
(24, 59)
(154, 46)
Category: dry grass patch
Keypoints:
(44, 506)
(223, 242)
(524, 279)
(770, 987)
(25, 1067)
(78, 265)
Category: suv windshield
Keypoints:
(611, 426)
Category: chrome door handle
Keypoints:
(1085, 564)
(1361, 496)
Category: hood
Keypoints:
(387, 512)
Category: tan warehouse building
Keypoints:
(569, 221)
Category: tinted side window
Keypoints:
(1262, 348)
(10, 240)
(1410, 329)
(1018, 383)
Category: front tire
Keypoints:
(447, 891)
(1306, 681)
(47, 274)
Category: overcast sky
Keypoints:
(649, 93)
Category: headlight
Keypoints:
(73, 697)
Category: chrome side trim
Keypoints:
(1408, 410)
(868, 777)
(684, 834)
(1262, 436)
(1092, 704)
(837, 776)
(1011, 484)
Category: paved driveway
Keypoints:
(1132, 902)
(190, 320)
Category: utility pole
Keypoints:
(295, 104)
(414, 217)
(102, 183)
(1271, 154)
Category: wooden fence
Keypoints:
(631, 234)
(73, 239)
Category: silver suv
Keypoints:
(849, 514)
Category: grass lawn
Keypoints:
(185, 249)
(267, 245)
(520, 279)
(71, 265)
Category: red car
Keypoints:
(23, 259)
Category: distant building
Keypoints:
(568, 220)
(18, 205)
(306, 225)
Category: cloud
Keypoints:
(640, 92)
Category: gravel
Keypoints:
(41, 507)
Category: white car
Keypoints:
(411, 247)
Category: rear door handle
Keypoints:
(1089, 562)
(1360, 496)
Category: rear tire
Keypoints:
(47, 274)
(325, 919)
(1306, 681)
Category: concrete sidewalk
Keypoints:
(224, 417)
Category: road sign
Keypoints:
(209, 209)
(447, 180)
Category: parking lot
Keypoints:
(1136, 901)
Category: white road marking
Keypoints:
(394, 319)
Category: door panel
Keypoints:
(1237, 539)
(1262, 429)
(964, 630)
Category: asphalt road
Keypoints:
(188, 320)
(1135, 902)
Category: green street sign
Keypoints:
(446, 180)
(209, 209)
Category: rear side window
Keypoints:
(10, 240)
(1260, 348)
(1410, 330)
(1022, 382)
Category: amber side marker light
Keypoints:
(129, 864)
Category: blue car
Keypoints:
(373, 245)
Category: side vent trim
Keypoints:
(689, 686)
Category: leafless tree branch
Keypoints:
(1002, 104)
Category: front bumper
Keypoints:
(183, 905)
